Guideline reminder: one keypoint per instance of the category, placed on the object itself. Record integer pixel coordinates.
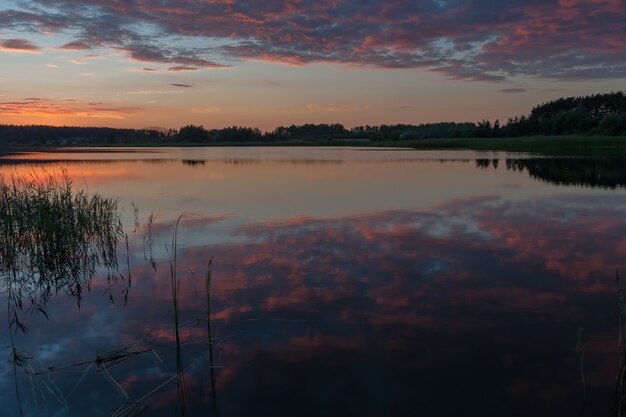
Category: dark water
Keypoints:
(344, 282)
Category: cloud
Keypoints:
(19, 46)
(75, 46)
(150, 53)
(182, 68)
(182, 85)
(143, 70)
(474, 40)
(512, 90)
(77, 62)
(62, 108)
(150, 92)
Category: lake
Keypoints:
(345, 281)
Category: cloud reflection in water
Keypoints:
(471, 307)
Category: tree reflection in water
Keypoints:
(590, 172)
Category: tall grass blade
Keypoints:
(208, 325)
(175, 283)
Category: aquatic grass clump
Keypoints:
(54, 239)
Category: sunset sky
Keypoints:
(141, 63)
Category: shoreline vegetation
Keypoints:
(57, 239)
(570, 145)
(54, 240)
(593, 124)
(548, 145)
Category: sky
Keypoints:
(148, 63)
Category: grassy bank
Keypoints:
(549, 145)
(545, 145)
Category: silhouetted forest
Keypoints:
(598, 114)
(67, 135)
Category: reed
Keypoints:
(209, 276)
(620, 385)
(581, 363)
(147, 242)
(175, 281)
(54, 240)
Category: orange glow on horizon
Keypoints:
(27, 110)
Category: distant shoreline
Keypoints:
(550, 145)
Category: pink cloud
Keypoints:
(476, 40)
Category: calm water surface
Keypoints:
(345, 282)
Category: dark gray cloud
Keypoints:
(179, 68)
(478, 40)
(76, 46)
(19, 45)
(513, 90)
(182, 85)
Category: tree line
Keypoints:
(37, 135)
(598, 114)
